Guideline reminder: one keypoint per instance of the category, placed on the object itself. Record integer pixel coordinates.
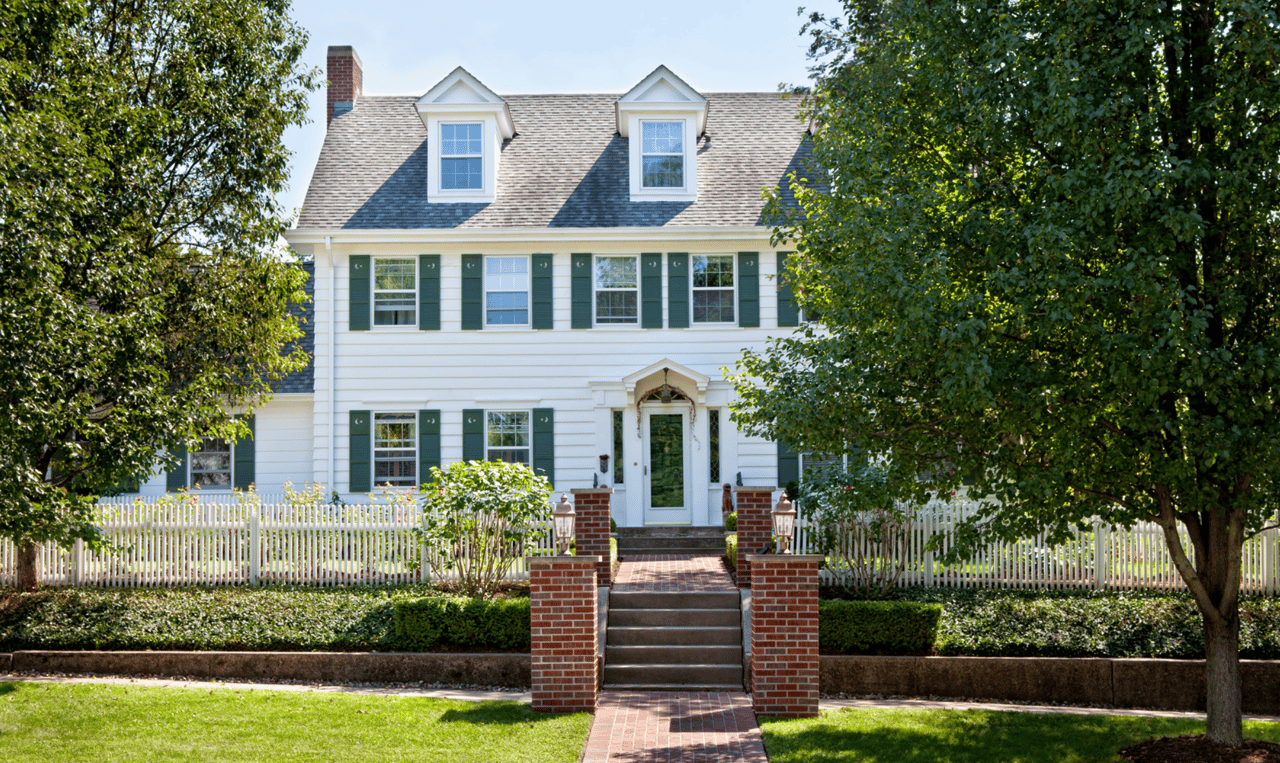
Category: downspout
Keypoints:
(333, 327)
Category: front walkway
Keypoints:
(673, 572)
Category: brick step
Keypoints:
(646, 546)
(674, 600)
(687, 676)
(674, 655)
(676, 687)
(674, 617)
(669, 531)
(674, 636)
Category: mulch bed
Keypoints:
(1197, 749)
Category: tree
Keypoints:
(140, 299)
(1044, 251)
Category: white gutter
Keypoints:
(333, 327)
(755, 233)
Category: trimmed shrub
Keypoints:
(457, 621)
(877, 627)
(731, 522)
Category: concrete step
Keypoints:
(674, 617)
(674, 655)
(674, 675)
(674, 600)
(674, 636)
(671, 541)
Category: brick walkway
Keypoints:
(671, 727)
(673, 572)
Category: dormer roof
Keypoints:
(661, 91)
(461, 93)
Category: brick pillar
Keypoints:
(566, 668)
(346, 80)
(784, 634)
(755, 526)
(591, 526)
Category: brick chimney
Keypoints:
(346, 81)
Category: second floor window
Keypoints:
(617, 300)
(395, 294)
(713, 289)
(662, 154)
(395, 449)
(461, 156)
(507, 437)
(506, 291)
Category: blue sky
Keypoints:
(555, 46)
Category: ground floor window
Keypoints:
(211, 465)
(713, 444)
(507, 436)
(395, 449)
(618, 471)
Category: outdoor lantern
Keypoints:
(784, 521)
(604, 463)
(563, 518)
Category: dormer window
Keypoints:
(662, 119)
(461, 156)
(662, 154)
(466, 124)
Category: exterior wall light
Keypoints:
(604, 463)
(563, 520)
(784, 522)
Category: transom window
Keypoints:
(461, 156)
(211, 464)
(713, 289)
(395, 291)
(506, 287)
(662, 154)
(507, 436)
(617, 300)
(395, 449)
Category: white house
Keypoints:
(551, 279)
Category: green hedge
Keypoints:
(456, 621)
(877, 627)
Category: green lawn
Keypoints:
(969, 736)
(87, 722)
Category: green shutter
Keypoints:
(428, 443)
(541, 296)
(245, 452)
(788, 465)
(472, 292)
(580, 291)
(788, 313)
(429, 292)
(748, 289)
(360, 478)
(359, 273)
(678, 291)
(473, 434)
(651, 291)
(544, 443)
(176, 479)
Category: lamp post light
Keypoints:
(563, 518)
(784, 521)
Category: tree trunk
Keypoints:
(28, 565)
(1222, 680)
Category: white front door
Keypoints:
(668, 461)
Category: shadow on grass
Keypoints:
(9, 687)
(960, 737)
(496, 713)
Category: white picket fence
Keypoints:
(1102, 557)
(225, 543)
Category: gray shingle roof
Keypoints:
(566, 167)
(304, 380)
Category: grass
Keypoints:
(127, 724)
(969, 736)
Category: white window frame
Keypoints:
(490, 147)
(480, 155)
(373, 295)
(597, 290)
(694, 289)
(635, 140)
(528, 292)
(410, 418)
(673, 154)
(528, 448)
(231, 468)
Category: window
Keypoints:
(662, 154)
(713, 289)
(617, 298)
(395, 449)
(461, 157)
(713, 445)
(618, 471)
(506, 286)
(211, 465)
(507, 437)
(395, 291)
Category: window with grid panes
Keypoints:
(662, 154)
(506, 291)
(713, 444)
(210, 466)
(617, 290)
(507, 437)
(461, 156)
(618, 470)
(713, 288)
(395, 449)
(395, 291)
